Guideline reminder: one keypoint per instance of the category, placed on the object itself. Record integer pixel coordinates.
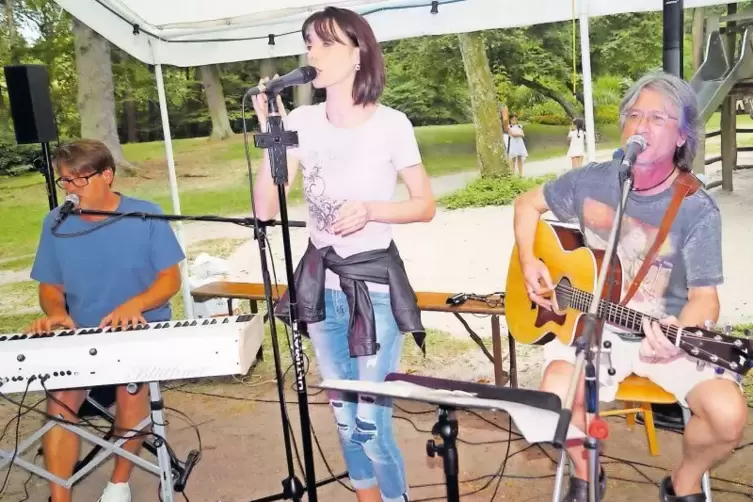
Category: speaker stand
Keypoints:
(44, 166)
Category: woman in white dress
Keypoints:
(577, 139)
(514, 143)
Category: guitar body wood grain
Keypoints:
(569, 261)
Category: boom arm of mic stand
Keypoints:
(243, 221)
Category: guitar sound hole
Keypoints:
(563, 294)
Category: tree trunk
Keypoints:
(96, 99)
(552, 94)
(268, 67)
(12, 42)
(303, 94)
(8, 7)
(129, 114)
(698, 38)
(490, 150)
(210, 76)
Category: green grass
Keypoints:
(219, 248)
(15, 296)
(17, 264)
(15, 323)
(213, 177)
(498, 191)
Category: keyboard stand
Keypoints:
(157, 420)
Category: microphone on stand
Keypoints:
(634, 146)
(302, 75)
(71, 202)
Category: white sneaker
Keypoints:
(116, 492)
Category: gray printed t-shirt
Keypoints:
(690, 257)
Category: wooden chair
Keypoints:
(640, 393)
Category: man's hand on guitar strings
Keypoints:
(535, 273)
(656, 347)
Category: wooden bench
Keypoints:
(428, 302)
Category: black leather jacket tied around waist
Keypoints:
(381, 266)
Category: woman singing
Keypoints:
(353, 292)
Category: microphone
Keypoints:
(634, 146)
(302, 75)
(71, 201)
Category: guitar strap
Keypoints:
(685, 184)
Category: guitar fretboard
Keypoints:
(613, 313)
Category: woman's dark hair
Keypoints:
(370, 78)
(579, 124)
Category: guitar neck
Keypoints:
(617, 315)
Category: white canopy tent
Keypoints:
(199, 32)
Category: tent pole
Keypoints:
(588, 100)
(185, 286)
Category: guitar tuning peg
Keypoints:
(709, 324)
(727, 329)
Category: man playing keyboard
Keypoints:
(95, 271)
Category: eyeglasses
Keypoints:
(654, 118)
(78, 182)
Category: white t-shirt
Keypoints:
(357, 163)
(577, 143)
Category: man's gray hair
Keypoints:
(684, 99)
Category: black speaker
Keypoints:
(30, 103)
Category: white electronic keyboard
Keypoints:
(154, 352)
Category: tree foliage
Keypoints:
(425, 80)
(536, 72)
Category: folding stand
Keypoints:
(446, 428)
(157, 420)
(181, 471)
(534, 412)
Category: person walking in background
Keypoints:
(577, 138)
(515, 145)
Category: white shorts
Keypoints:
(677, 377)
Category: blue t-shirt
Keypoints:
(102, 269)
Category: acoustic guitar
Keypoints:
(574, 269)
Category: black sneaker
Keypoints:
(667, 493)
(578, 491)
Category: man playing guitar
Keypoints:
(678, 287)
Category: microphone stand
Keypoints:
(276, 140)
(588, 348)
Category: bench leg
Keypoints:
(497, 349)
(499, 376)
(513, 360)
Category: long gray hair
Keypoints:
(682, 96)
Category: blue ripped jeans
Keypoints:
(371, 454)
